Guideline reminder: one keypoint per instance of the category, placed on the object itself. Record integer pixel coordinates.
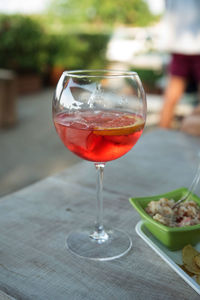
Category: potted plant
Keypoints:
(22, 49)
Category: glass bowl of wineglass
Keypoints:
(99, 115)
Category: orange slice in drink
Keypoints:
(121, 130)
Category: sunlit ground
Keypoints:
(32, 150)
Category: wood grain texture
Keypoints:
(8, 98)
(34, 222)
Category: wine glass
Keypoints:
(99, 115)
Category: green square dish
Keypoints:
(174, 238)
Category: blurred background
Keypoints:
(41, 38)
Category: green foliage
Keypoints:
(149, 76)
(22, 46)
(26, 47)
(130, 12)
(80, 50)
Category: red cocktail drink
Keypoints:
(99, 115)
(99, 136)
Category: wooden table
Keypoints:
(34, 222)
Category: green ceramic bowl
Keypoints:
(174, 238)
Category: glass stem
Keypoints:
(99, 234)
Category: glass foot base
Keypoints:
(85, 244)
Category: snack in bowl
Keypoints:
(174, 238)
(163, 211)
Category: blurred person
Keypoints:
(182, 40)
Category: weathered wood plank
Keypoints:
(4, 296)
(8, 94)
